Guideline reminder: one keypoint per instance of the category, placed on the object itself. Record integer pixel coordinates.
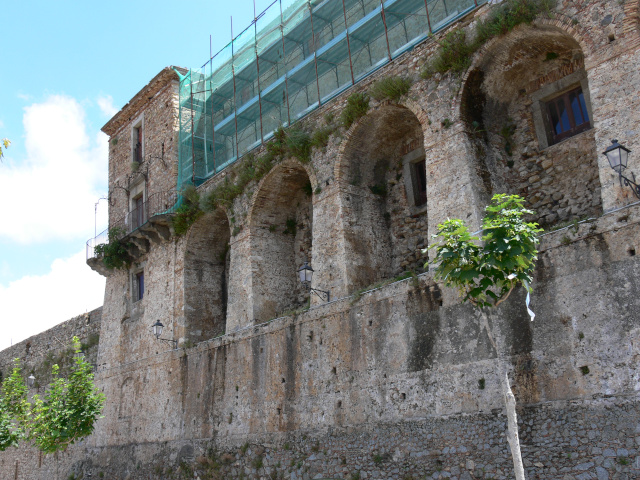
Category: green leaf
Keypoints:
(510, 247)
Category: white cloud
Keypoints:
(105, 102)
(51, 193)
(33, 304)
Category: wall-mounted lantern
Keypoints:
(31, 381)
(618, 155)
(157, 331)
(306, 275)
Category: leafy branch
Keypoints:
(4, 143)
(485, 275)
(64, 414)
(114, 253)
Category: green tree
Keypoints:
(14, 409)
(485, 275)
(5, 142)
(64, 414)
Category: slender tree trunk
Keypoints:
(512, 426)
(509, 402)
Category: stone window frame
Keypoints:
(549, 92)
(411, 182)
(138, 124)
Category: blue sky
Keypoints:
(66, 68)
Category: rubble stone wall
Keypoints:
(397, 380)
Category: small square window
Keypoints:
(139, 286)
(567, 115)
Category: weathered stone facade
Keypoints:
(399, 381)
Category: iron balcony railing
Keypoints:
(156, 204)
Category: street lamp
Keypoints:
(618, 155)
(306, 275)
(157, 331)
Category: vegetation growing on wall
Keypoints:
(114, 254)
(357, 106)
(456, 49)
(187, 213)
(295, 142)
(391, 88)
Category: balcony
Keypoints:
(149, 222)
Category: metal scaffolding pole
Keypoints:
(193, 150)
(315, 56)
(386, 33)
(235, 104)
(426, 7)
(346, 31)
(255, 42)
(213, 123)
(284, 58)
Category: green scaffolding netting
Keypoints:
(294, 57)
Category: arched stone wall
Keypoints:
(206, 277)
(281, 235)
(384, 223)
(503, 107)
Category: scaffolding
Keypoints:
(294, 57)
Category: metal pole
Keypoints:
(426, 7)
(95, 217)
(284, 58)
(346, 29)
(386, 33)
(193, 150)
(255, 24)
(213, 123)
(315, 56)
(233, 74)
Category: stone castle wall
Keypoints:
(400, 381)
(37, 352)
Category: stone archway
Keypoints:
(281, 230)
(206, 277)
(383, 185)
(507, 106)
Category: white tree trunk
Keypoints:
(512, 429)
(510, 404)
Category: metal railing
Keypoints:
(156, 204)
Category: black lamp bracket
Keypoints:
(323, 295)
(627, 182)
(172, 342)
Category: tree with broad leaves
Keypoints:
(485, 273)
(64, 414)
(4, 143)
